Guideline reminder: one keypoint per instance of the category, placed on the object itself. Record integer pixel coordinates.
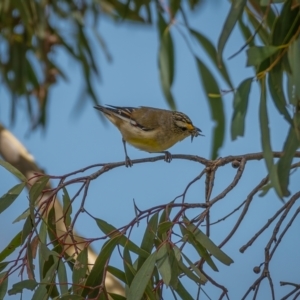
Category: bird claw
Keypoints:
(128, 162)
(168, 156)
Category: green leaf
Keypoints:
(3, 285)
(266, 142)
(67, 207)
(43, 239)
(128, 267)
(211, 51)
(164, 223)
(257, 54)
(216, 106)
(49, 274)
(245, 30)
(164, 227)
(40, 292)
(10, 248)
(189, 273)
(240, 106)
(293, 56)
(45, 253)
(265, 189)
(3, 265)
(286, 25)
(174, 7)
(182, 292)
(27, 228)
(13, 170)
(7, 199)
(25, 284)
(262, 32)
(198, 247)
(198, 277)
(111, 231)
(62, 277)
(148, 239)
(234, 14)
(51, 226)
(141, 278)
(23, 216)
(117, 273)
(96, 274)
(275, 86)
(208, 244)
(166, 60)
(80, 271)
(284, 163)
(163, 264)
(37, 188)
(31, 248)
(116, 296)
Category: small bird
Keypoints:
(150, 129)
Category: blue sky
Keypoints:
(72, 141)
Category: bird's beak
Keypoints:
(195, 132)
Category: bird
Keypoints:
(150, 129)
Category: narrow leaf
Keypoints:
(266, 142)
(7, 199)
(96, 274)
(207, 243)
(62, 277)
(27, 228)
(37, 188)
(240, 106)
(257, 54)
(198, 247)
(13, 170)
(166, 60)
(117, 273)
(67, 207)
(211, 51)
(234, 14)
(163, 264)
(128, 268)
(216, 107)
(182, 292)
(164, 227)
(195, 269)
(3, 284)
(111, 231)
(10, 248)
(293, 56)
(23, 216)
(284, 164)
(275, 86)
(40, 292)
(142, 278)
(80, 271)
(25, 284)
(148, 239)
(3, 265)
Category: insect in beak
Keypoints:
(197, 131)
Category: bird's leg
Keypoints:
(128, 162)
(168, 156)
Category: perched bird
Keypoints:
(150, 129)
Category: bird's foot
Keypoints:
(128, 162)
(168, 156)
